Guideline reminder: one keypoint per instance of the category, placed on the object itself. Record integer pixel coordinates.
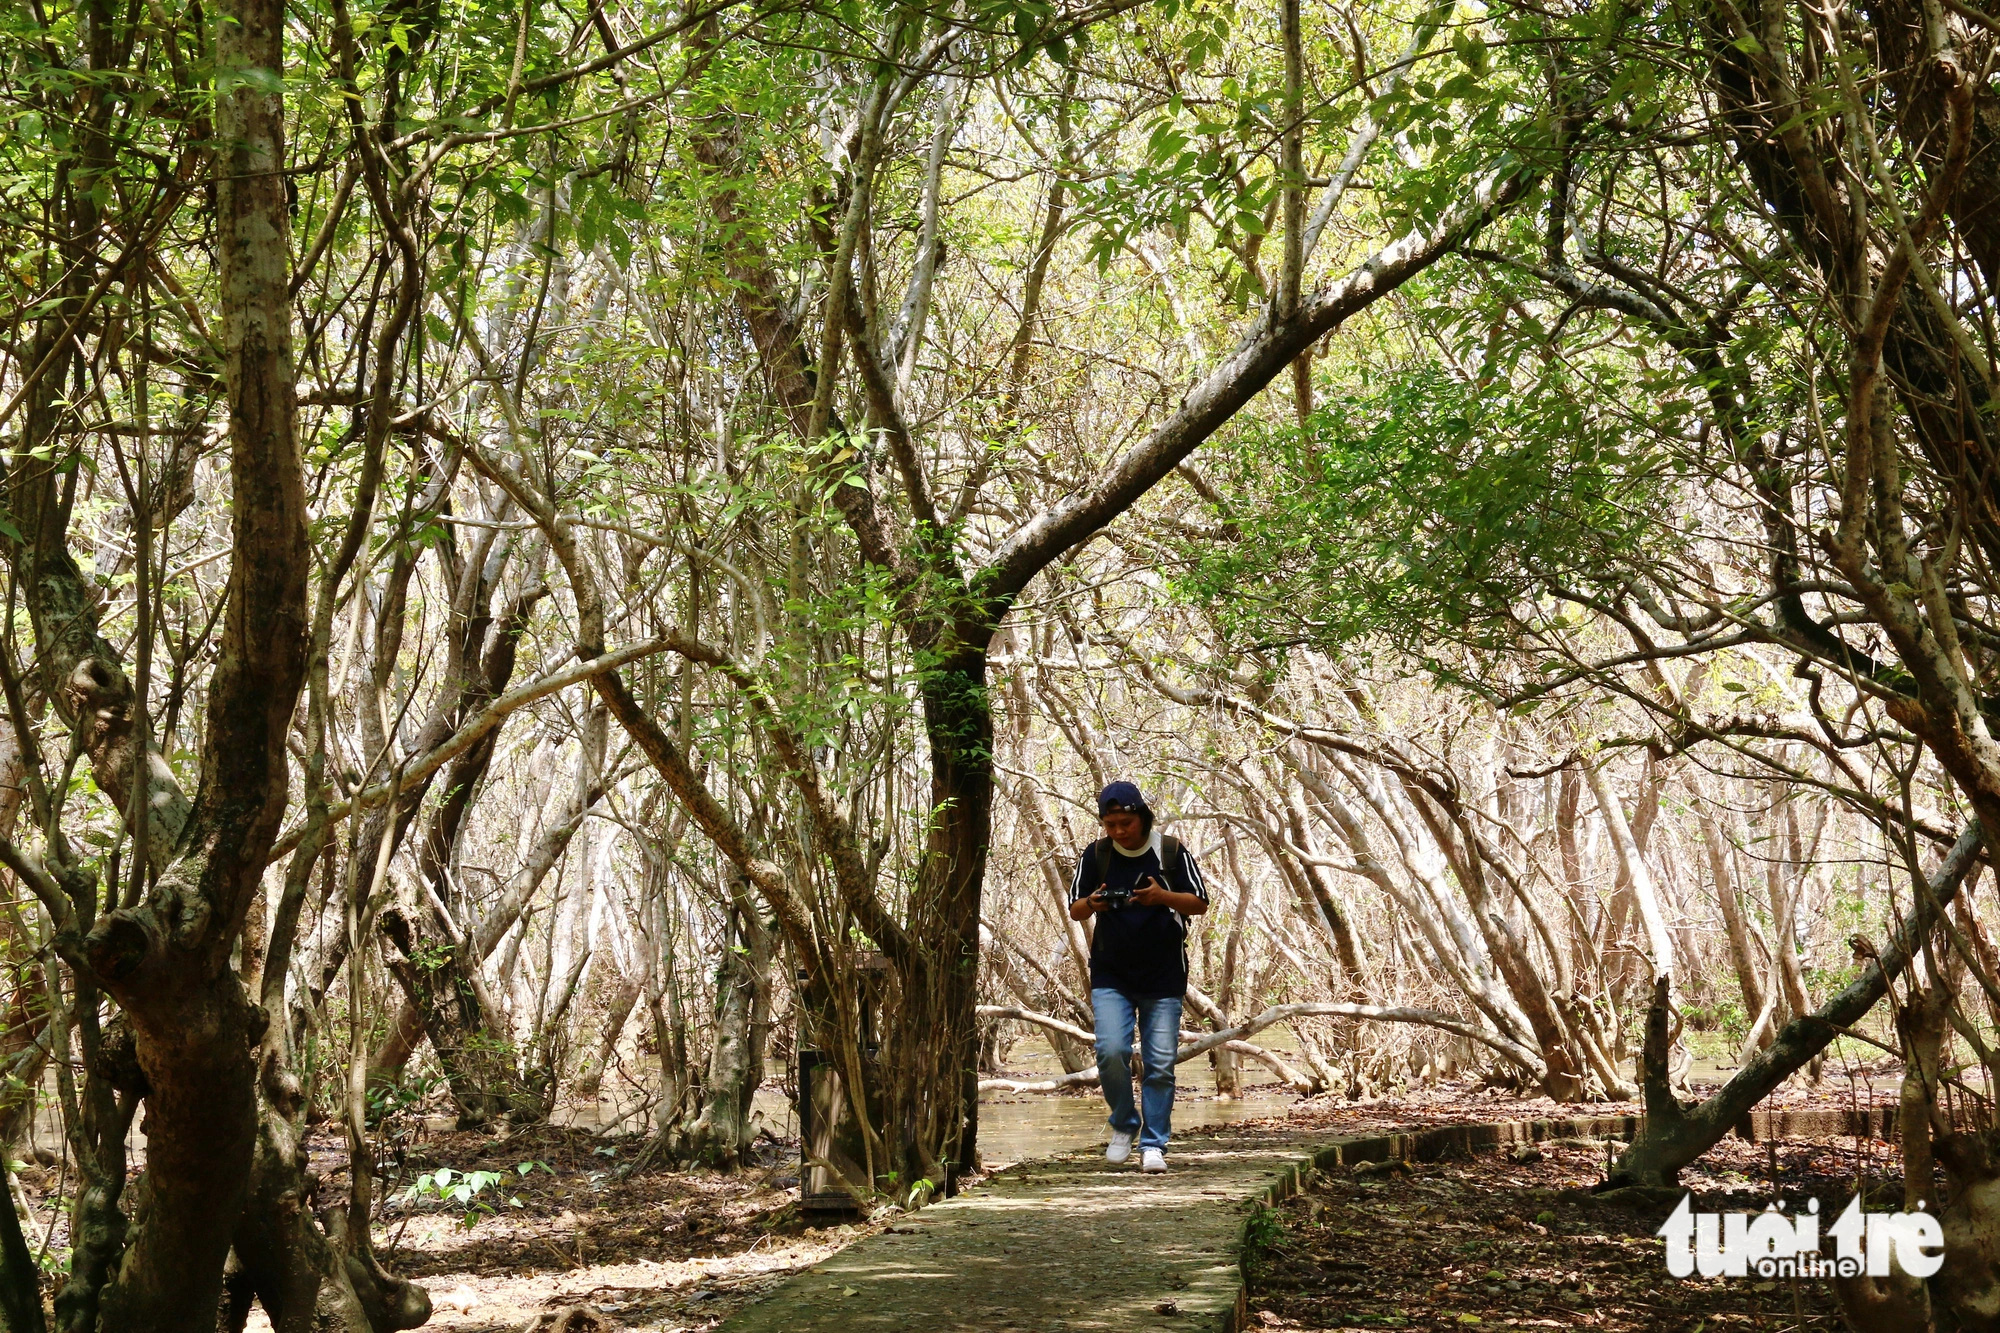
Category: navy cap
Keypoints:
(1121, 796)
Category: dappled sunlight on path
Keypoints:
(1070, 1243)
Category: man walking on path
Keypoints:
(1142, 888)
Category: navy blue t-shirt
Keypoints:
(1138, 950)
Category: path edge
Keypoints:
(1465, 1138)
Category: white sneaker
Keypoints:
(1153, 1161)
(1120, 1147)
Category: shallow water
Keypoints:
(1015, 1127)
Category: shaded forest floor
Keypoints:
(1514, 1240)
(650, 1248)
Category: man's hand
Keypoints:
(1084, 907)
(1154, 893)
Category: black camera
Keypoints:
(1115, 898)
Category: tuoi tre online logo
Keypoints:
(1775, 1244)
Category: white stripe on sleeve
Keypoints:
(1193, 874)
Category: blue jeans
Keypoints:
(1159, 1023)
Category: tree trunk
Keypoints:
(1073, 1054)
(406, 1030)
(1740, 955)
(1584, 960)
(1563, 1068)
(723, 1132)
(937, 1025)
(466, 1034)
(309, 1278)
(1354, 975)
(1897, 1302)
(1632, 860)
(1228, 1073)
(1053, 860)
(439, 962)
(1784, 914)
(623, 1000)
(24, 1026)
(444, 988)
(407, 1027)
(670, 1040)
(20, 1280)
(167, 961)
(1674, 1136)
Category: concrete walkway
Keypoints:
(1071, 1243)
(1062, 1245)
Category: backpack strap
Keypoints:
(1170, 873)
(1100, 861)
(1170, 862)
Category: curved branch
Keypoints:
(707, 812)
(468, 735)
(1271, 344)
(835, 831)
